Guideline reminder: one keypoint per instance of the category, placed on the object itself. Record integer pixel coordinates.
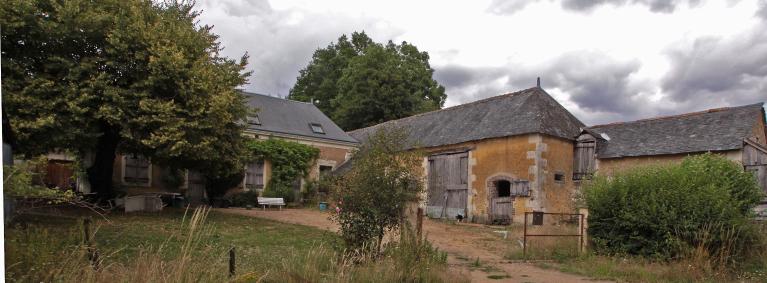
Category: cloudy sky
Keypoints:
(605, 60)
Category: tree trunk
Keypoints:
(100, 173)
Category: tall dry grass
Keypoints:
(40, 255)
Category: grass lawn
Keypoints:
(172, 247)
(36, 242)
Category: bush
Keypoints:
(243, 199)
(669, 211)
(372, 196)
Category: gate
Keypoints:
(553, 225)
(448, 185)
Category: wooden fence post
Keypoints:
(231, 262)
(93, 254)
(87, 231)
(419, 224)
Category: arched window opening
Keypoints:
(503, 188)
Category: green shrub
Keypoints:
(670, 211)
(243, 199)
(372, 196)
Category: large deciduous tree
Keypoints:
(361, 83)
(133, 76)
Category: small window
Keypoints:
(317, 128)
(254, 175)
(136, 169)
(559, 177)
(325, 170)
(254, 120)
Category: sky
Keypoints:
(604, 60)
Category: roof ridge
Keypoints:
(557, 105)
(688, 114)
(273, 97)
(451, 107)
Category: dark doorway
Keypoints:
(504, 188)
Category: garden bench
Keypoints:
(263, 202)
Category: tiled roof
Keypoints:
(285, 116)
(523, 112)
(711, 130)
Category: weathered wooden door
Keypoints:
(755, 161)
(59, 174)
(195, 191)
(448, 185)
(502, 195)
(502, 209)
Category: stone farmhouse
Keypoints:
(276, 118)
(494, 159)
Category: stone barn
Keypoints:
(493, 159)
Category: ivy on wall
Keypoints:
(290, 160)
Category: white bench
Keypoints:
(263, 202)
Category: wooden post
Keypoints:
(87, 231)
(585, 228)
(419, 224)
(93, 254)
(581, 247)
(231, 262)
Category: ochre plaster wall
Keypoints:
(501, 156)
(558, 158)
(613, 165)
(518, 157)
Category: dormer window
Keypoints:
(317, 128)
(253, 120)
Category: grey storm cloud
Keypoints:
(762, 11)
(720, 71)
(664, 6)
(281, 42)
(594, 82)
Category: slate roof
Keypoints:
(523, 112)
(711, 130)
(285, 116)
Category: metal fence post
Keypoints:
(524, 244)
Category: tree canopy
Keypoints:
(112, 76)
(360, 83)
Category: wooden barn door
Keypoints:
(755, 161)
(448, 185)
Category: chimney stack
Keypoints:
(539, 82)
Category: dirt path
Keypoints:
(471, 250)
